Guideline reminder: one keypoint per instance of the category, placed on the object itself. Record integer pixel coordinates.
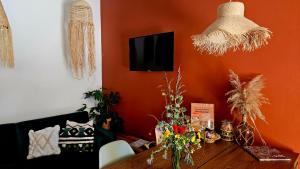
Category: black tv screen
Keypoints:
(152, 52)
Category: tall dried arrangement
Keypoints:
(6, 44)
(81, 36)
(246, 98)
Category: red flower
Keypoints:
(178, 129)
(181, 129)
(175, 128)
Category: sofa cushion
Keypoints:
(43, 142)
(74, 124)
(77, 139)
(24, 127)
(15, 143)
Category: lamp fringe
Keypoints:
(220, 41)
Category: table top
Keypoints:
(220, 155)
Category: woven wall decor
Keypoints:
(231, 31)
(81, 38)
(6, 45)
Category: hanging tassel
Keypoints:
(6, 45)
(81, 37)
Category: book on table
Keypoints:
(265, 153)
(143, 144)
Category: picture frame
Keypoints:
(202, 116)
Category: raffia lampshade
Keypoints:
(231, 31)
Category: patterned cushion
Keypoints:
(43, 142)
(77, 139)
(72, 124)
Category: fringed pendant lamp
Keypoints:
(6, 45)
(231, 31)
(81, 38)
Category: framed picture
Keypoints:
(202, 116)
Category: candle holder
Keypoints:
(227, 132)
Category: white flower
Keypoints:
(149, 161)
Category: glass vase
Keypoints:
(176, 154)
(244, 133)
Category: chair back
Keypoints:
(113, 152)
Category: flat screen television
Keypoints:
(152, 52)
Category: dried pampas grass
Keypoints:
(6, 45)
(81, 37)
(246, 97)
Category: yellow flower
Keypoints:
(166, 133)
(199, 135)
(193, 139)
(177, 136)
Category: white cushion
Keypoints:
(43, 142)
(73, 124)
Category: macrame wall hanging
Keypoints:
(81, 38)
(231, 31)
(6, 45)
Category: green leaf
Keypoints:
(176, 115)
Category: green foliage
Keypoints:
(173, 94)
(103, 108)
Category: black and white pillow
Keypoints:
(77, 139)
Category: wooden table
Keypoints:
(221, 155)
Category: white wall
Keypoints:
(41, 85)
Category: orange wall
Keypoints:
(205, 76)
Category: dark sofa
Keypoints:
(14, 143)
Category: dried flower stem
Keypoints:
(246, 98)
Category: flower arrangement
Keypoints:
(177, 133)
(246, 98)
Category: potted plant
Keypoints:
(102, 111)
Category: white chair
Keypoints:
(113, 152)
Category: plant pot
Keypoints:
(106, 124)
